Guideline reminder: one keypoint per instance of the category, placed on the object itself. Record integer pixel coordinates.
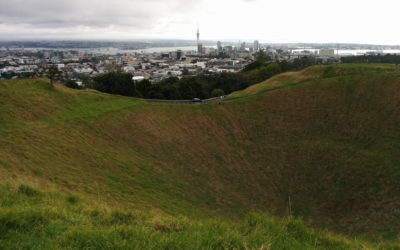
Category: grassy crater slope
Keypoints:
(30, 219)
(323, 144)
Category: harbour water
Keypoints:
(351, 52)
(113, 51)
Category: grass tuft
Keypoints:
(72, 199)
(27, 190)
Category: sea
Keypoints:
(352, 52)
(114, 51)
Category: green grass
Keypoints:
(325, 138)
(53, 220)
(315, 72)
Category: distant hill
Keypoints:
(101, 171)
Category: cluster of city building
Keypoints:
(80, 64)
(153, 66)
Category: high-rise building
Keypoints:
(179, 54)
(243, 46)
(228, 50)
(219, 46)
(256, 46)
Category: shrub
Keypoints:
(23, 221)
(217, 92)
(27, 190)
(72, 84)
(73, 199)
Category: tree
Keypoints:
(155, 91)
(185, 72)
(115, 83)
(185, 88)
(54, 74)
(143, 87)
(171, 92)
(217, 92)
(72, 84)
(261, 57)
(113, 67)
(259, 62)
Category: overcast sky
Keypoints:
(368, 21)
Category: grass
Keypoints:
(59, 223)
(325, 138)
(316, 72)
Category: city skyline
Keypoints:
(286, 21)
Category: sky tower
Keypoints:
(198, 35)
(199, 45)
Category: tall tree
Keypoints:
(54, 74)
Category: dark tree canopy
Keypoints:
(115, 83)
(200, 86)
(217, 92)
(387, 58)
(72, 84)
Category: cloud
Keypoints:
(135, 15)
(270, 21)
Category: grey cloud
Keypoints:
(54, 14)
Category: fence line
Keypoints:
(214, 100)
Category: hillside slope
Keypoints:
(323, 144)
(32, 219)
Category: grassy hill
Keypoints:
(108, 171)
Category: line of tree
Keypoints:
(387, 58)
(200, 86)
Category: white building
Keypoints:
(138, 78)
(327, 52)
(256, 46)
